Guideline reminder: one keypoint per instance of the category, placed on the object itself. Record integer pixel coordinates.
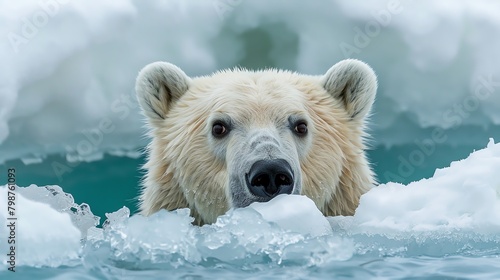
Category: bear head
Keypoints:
(239, 136)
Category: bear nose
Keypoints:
(269, 178)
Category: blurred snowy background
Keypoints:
(68, 114)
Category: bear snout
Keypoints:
(269, 178)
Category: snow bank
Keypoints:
(68, 67)
(43, 236)
(464, 196)
(459, 207)
(68, 70)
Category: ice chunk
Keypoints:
(245, 234)
(458, 207)
(86, 157)
(81, 215)
(44, 236)
(463, 196)
(161, 238)
(126, 153)
(295, 213)
(238, 237)
(116, 217)
(27, 160)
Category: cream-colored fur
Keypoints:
(187, 167)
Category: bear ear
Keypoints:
(354, 83)
(158, 86)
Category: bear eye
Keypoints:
(300, 129)
(219, 129)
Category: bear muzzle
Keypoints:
(269, 178)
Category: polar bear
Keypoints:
(238, 136)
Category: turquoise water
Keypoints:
(345, 255)
(359, 267)
(374, 258)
